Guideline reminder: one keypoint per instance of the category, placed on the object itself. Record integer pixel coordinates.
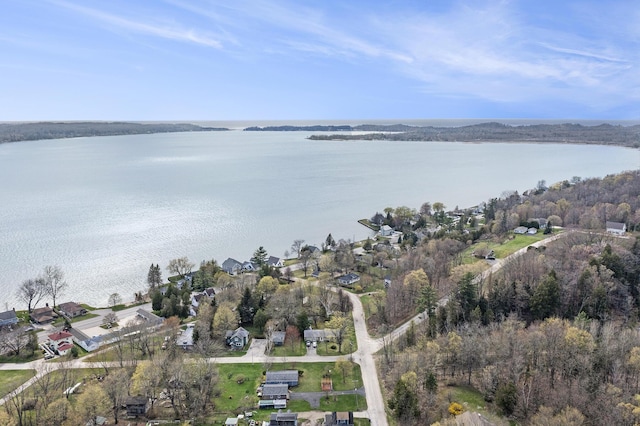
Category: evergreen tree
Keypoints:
(247, 309)
(546, 297)
(154, 276)
(260, 256)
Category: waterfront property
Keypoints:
(71, 310)
(8, 318)
(43, 315)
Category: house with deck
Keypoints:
(283, 419)
(43, 315)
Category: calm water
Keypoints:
(105, 208)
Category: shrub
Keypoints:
(455, 409)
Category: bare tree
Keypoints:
(115, 299)
(180, 266)
(55, 283)
(116, 386)
(296, 247)
(31, 292)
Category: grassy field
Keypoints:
(470, 398)
(504, 249)
(238, 384)
(11, 379)
(299, 349)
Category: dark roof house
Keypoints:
(617, 228)
(287, 377)
(137, 406)
(43, 315)
(275, 391)
(71, 309)
(348, 279)
(278, 338)
(283, 419)
(152, 319)
(8, 318)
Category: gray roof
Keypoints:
(283, 416)
(271, 390)
(615, 225)
(285, 376)
(231, 264)
(278, 336)
(8, 315)
(148, 316)
(272, 261)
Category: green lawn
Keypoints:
(471, 400)
(299, 349)
(11, 379)
(502, 250)
(235, 396)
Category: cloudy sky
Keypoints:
(324, 59)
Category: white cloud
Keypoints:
(165, 31)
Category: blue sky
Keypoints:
(356, 59)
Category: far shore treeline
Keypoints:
(602, 134)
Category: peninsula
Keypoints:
(16, 132)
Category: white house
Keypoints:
(275, 262)
(348, 279)
(60, 342)
(386, 231)
(616, 228)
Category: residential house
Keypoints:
(8, 318)
(521, 230)
(348, 279)
(386, 231)
(231, 266)
(43, 315)
(378, 219)
(616, 228)
(343, 418)
(326, 334)
(237, 338)
(231, 421)
(542, 222)
(196, 298)
(185, 340)
(275, 262)
(287, 377)
(71, 309)
(277, 337)
(137, 406)
(60, 342)
(275, 391)
(283, 419)
(151, 319)
(532, 231)
(87, 343)
(250, 266)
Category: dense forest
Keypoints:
(604, 134)
(550, 339)
(16, 132)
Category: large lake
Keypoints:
(105, 208)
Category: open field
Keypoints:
(11, 379)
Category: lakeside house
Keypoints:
(71, 310)
(43, 315)
(231, 266)
(386, 231)
(616, 228)
(87, 343)
(275, 262)
(8, 318)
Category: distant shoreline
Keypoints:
(488, 132)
